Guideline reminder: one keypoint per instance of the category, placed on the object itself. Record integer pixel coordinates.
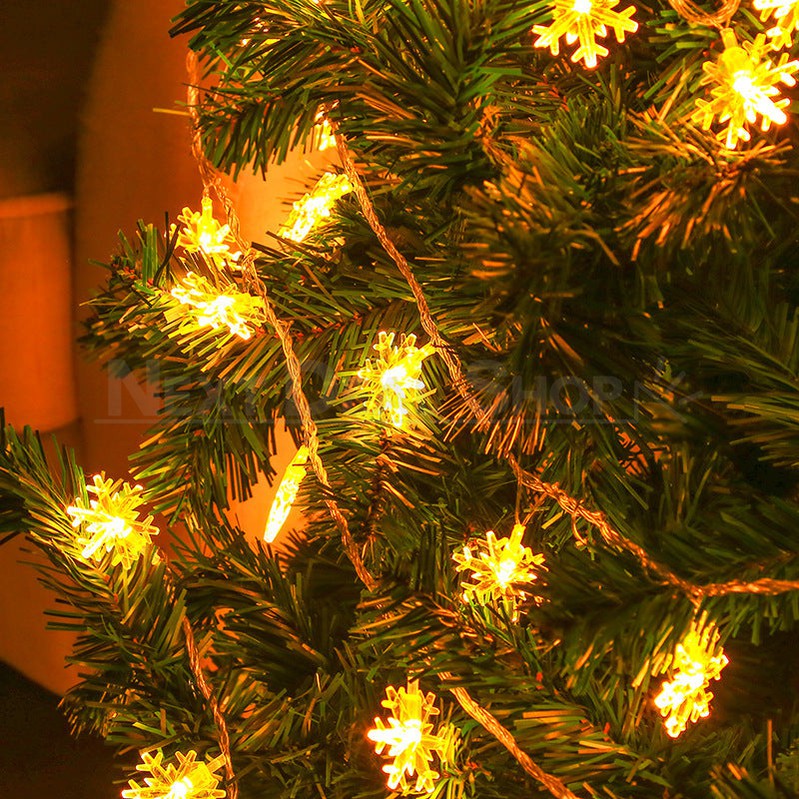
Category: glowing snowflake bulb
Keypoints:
(393, 377)
(204, 306)
(110, 523)
(408, 737)
(286, 494)
(698, 659)
(315, 206)
(501, 570)
(188, 779)
(744, 84)
(786, 19)
(202, 233)
(584, 21)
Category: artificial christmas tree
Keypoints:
(537, 341)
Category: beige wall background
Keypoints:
(133, 162)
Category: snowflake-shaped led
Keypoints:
(286, 494)
(202, 233)
(409, 737)
(698, 659)
(584, 21)
(315, 206)
(203, 306)
(393, 377)
(786, 20)
(189, 779)
(111, 522)
(500, 570)
(745, 86)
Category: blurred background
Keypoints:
(86, 149)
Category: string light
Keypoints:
(286, 494)
(202, 233)
(315, 206)
(583, 21)
(325, 138)
(189, 779)
(500, 570)
(786, 20)
(241, 313)
(111, 522)
(409, 738)
(394, 375)
(745, 87)
(698, 659)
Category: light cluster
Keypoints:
(393, 377)
(189, 779)
(500, 569)
(286, 494)
(408, 736)
(110, 523)
(698, 659)
(241, 313)
(315, 206)
(583, 21)
(745, 88)
(202, 233)
(786, 20)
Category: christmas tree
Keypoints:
(536, 338)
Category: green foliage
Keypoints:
(622, 295)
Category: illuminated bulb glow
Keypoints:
(188, 779)
(408, 737)
(786, 19)
(393, 377)
(237, 311)
(202, 233)
(286, 494)
(745, 86)
(584, 21)
(325, 138)
(110, 523)
(698, 659)
(500, 570)
(315, 206)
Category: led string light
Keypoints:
(744, 85)
(188, 779)
(202, 233)
(393, 377)
(315, 206)
(698, 659)
(785, 18)
(408, 736)
(583, 21)
(286, 494)
(239, 312)
(110, 523)
(500, 569)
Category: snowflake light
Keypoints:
(409, 738)
(189, 779)
(286, 494)
(745, 86)
(500, 570)
(584, 21)
(315, 206)
(202, 233)
(698, 659)
(786, 20)
(204, 306)
(111, 522)
(394, 375)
